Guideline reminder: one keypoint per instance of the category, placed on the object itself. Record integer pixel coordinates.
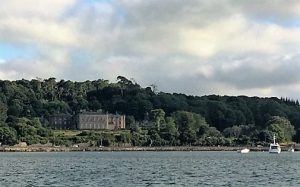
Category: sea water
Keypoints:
(149, 169)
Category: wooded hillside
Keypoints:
(166, 119)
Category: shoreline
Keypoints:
(120, 149)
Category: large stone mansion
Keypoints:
(87, 121)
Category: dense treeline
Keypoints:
(153, 118)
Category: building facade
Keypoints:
(62, 121)
(87, 121)
(97, 120)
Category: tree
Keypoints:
(50, 86)
(281, 127)
(15, 107)
(158, 115)
(170, 132)
(188, 125)
(297, 136)
(8, 136)
(234, 131)
(3, 112)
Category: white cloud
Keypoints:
(237, 35)
(36, 31)
(39, 23)
(46, 9)
(194, 47)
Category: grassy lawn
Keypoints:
(76, 132)
(67, 132)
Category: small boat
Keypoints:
(244, 150)
(274, 147)
(291, 150)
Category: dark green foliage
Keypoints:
(191, 127)
(3, 112)
(8, 135)
(297, 136)
(79, 139)
(282, 128)
(60, 140)
(179, 119)
(169, 132)
(30, 131)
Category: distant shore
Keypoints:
(163, 148)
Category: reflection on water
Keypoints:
(149, 169)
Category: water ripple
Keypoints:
(149, 169)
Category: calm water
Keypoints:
(149, 169)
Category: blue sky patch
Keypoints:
(292, 22)
(80, 56)
(9, 51)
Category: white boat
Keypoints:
(274, 147)
(291, 150)
(244, 150)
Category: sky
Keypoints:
(195, 47)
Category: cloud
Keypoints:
(271, 9)
(193, 47)
(259, 72)
(38, 23)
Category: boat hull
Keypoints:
(244, 151)
(291, 150)
(275, 151)
(274, 147)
